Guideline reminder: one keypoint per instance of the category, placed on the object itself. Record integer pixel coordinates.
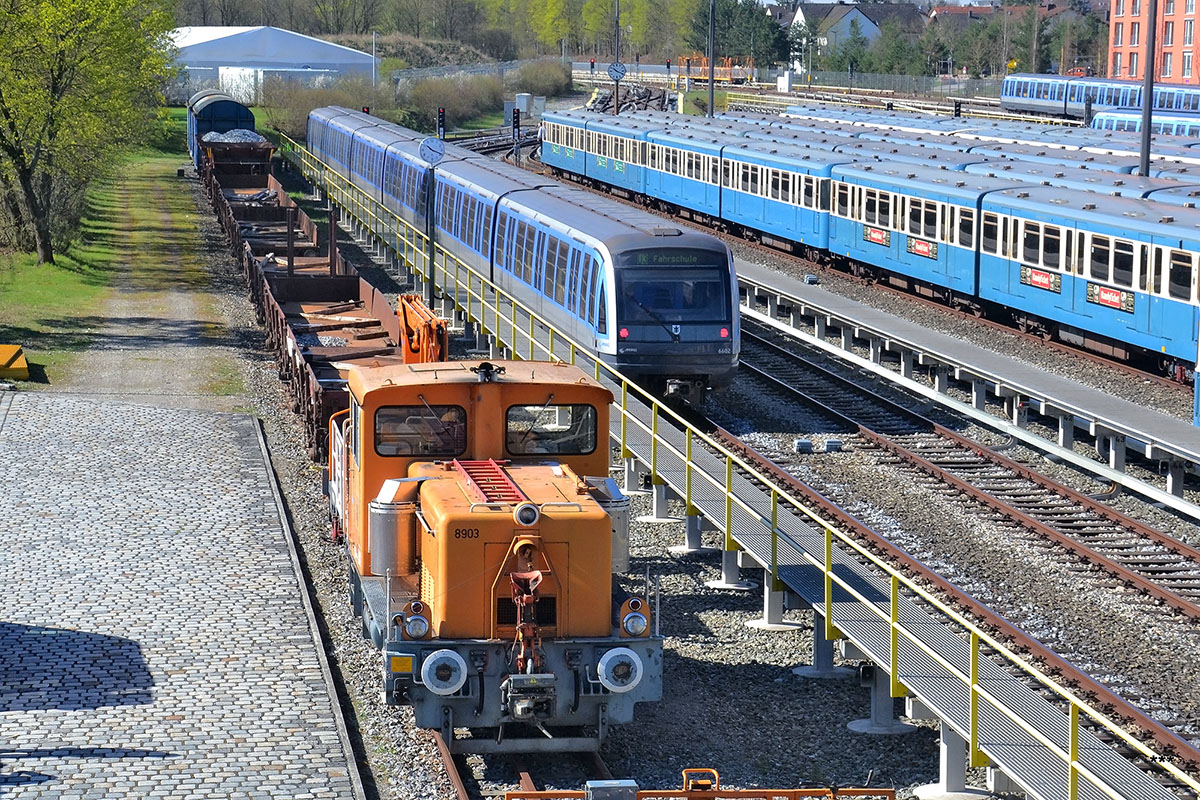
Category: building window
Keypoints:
(1168, 34)
(1187, 65)
(1166, 65)
(1189, 6)
(1135, 30)
(1136, 9)
(1116, 70)
(1170, 8)
(1133, 59)
(1120, 12)
(1188, 24)
(1118, 34)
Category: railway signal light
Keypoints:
(441, 123)
(668, 66)
(593, 65)
(366, 109)
(689, 66)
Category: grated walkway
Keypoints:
(154, 638)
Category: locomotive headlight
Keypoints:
(623, 333)
(634, 624)
(526, 515)
(416, 627)
(444, 672)
(724, 333)
(619, 670)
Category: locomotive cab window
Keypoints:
(424, 430)
(550, 428)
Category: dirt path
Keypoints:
(161, 337)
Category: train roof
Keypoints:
(824, 141)
(922, 179)
(940, 142)
(624, 127)
(363, 379)
(1187, 195)
(1088, 180)
(785, 155)
(1058, 155)
(899, 151)
(1137, 214)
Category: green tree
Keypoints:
(851, 53)
(742, 31)
(550, 22)
(802, 44)
(79, 81)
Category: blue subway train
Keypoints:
(656, 301)
(1066, 96)
(1115, 274)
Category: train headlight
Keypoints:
(724, 333)
(634, 624)
(444, 672)
(526, 515)
(416, 627)
(623, 333)
(619, 670)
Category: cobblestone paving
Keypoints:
(152, 640)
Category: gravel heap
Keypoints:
(235, 136)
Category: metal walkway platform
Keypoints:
(1122, 425)
(155, 635)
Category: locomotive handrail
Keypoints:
(459, 279)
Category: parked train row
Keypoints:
(1067, 96)
(656, 301)
(970, 226)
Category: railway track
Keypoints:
(525, 772)
(1031, 505)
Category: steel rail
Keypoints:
(1101, 695)
(1136, 579)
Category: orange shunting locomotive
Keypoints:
(484, 538)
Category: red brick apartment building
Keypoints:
(1128, 25)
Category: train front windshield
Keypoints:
(674, 294)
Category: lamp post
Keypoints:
(712, 53)
(374, 73)
(1148, 87)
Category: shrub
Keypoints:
(546, 78)
(463, 98)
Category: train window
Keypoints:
(602, 309)
(1156, 275)
(470, 207)
(991, 228)
(823, 199)
(1051, 247)
(652, 157)
(1179, 280)
(1100, 257)
(871, 204)
(966, 227)
(560, 278)
(727, 173)
(1123, 260)
(355, 427)
(931, 217)
(561, 429)
(420, 430)
(843, 200)
(593, 267)
(808, 191)
(574, 291)
(539, 254)
(775, 190)
(714, 178)
(1032, 242)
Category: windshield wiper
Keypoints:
(656, 317)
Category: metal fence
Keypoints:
(498, 68)
(920, 85)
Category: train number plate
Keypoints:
(877, 236)
(1110, 297)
